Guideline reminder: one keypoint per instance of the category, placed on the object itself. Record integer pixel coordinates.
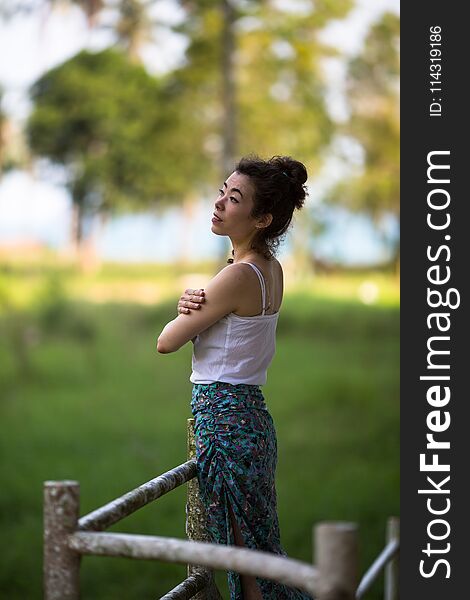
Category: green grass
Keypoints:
(85, 396)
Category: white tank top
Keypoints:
(236, 349)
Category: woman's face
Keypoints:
(233, 207)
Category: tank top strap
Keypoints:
(263, 285)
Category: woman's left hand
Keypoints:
(190, 299)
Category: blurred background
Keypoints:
(119, 120)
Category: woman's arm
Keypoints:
(221, 298)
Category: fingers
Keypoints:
(190, 300)
(195, 298)
(183, 307)
(187, 304)
(197, 295)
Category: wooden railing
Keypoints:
(67, 537)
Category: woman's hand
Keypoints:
(191, 299)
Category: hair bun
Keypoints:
(291, 167)
(296, 173)
(299, 172)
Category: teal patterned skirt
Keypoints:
(236, 455)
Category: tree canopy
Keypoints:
(373, 92)
(103, 118)
(278, 85)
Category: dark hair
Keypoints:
(279, 189)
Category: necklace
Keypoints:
(231, 260)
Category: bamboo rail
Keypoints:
(67, 537)
(387, 559)
(122, 507)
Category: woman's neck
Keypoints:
(243, 255)
(242, 251)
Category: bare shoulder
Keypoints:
(235, 269)
(233, 274)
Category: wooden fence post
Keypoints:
(61, 565)
(196, 524)
(337, 560)
(391, 570)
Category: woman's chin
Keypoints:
(215, 229)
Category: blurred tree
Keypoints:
(229, 91)
(102, 118)
(258, 65)
(254, 69)
(134, 27)
(373, 93)
(91, 8)
(132, 23)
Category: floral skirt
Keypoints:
(236, 455)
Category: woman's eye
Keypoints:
(232, 198)
(221, 192)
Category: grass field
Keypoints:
(85, 396)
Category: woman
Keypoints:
(234, 341)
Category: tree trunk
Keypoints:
(76, 233)
(229, 117)
(228, 87)
(83, 250)
(90, 262)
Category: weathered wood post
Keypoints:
(61, 565)
(336, 558)
(196, 524)
(391, 570)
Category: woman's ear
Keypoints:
(265, 221)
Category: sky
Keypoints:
(37, 206)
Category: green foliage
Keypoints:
(321, 323)
(112, 415)
(18, 336)
(102, 117)
(283, 96)
(57, 317)
(373, 93)
(279, 88)
(134, 26)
